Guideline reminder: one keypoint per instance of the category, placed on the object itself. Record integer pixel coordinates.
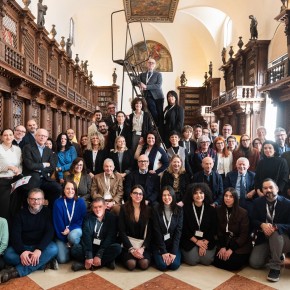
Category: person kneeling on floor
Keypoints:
(31, 239)
(98, 245)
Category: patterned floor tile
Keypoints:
(165, 282)
(89, 282)
(20, 284)
(241, 283)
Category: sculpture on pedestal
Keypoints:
(253, 27)
(40, 13)
(183, 79)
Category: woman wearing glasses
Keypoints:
(245, 149)
(78, 174)
(167, 226)
(68, 214)
(135, 230)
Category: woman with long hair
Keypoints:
(234, 245)
(78, 174)
(246, 149)
(95, 154)
(176, 177)
(199, 226)
(271, 166)
(68, 214)
(173, 117)
(139, 122)
(167, 228)
(84, 140)
(224, 156)
(122, 156)
(158, 159)
(66, 154)
(134, 223)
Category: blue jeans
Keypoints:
(73, 238)
(13, 258)
(160, 265)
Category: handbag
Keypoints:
(138, 243)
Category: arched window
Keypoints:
(228, 25)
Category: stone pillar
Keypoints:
(54, 124)
(43, 117)
(65, 116)
(7, 110)
(78, 130)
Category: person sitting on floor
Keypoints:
(31, 239)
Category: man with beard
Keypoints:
(29, 138)
(271, 222)
(103, 129)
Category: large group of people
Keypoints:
(205, 197)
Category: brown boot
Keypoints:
(9, 274)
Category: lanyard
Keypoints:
(147, 76)
(167, 225)
(98, 233)
(228, 219)
(269, 216)
(201, 215)
(184, 145)
(121, 129)
(167, 112)
(72, 212)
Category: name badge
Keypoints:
(97, 242)
(199, 234)
(138, 133)
(166, 237)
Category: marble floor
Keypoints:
(186, 277)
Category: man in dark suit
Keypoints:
(150, 83)
(39, 163)
(150, 182)
(271, 222)
(111, 110)
(244, 183)
(211, 178)
(29, 138)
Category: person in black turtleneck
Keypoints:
(173, 117)
(234, 244)
(271, 222)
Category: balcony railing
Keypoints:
(277, 71)
(239, 93)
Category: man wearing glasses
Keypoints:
(150, 182)
(31, 239)
(150, 83)
(111, 110)
(39, 163)
(19, 133)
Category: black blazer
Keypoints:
(152, 185)
(173, 120)
(208, 226)
(146, 125)
(88, 157)
(126, 133)
(217, 185)
(127, 162)
(27, 139)
(159, 230)
(184, 180)
(33, 164)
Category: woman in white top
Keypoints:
(224, 156)
(10, 170)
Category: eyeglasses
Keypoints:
(219, 143)
(257, 143)
(137, 193)
(151, 62)
(142, 161)
(43, 136)
(20, 131)
(110, 108)
(245, 140)
(35, 199)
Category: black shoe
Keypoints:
(274, 275)
(282, 258)
(112, 265)
(9, 274)
(53, 264)
(76, 266)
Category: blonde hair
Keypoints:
(181, 170)
(115, 144)
(101, 139)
